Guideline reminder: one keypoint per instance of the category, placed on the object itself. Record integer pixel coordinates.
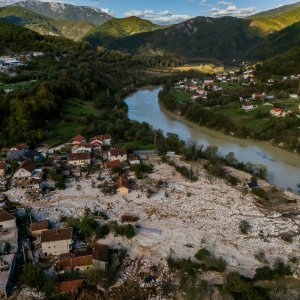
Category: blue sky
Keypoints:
(174, 11)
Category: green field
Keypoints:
(74, 121)
(182, 96)
(17, 85)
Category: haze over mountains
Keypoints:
(226, 39)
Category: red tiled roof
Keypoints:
(113, 164)
(39, 225)
(122, 182)
(78, 138)
(117, 152)
(100, 252)
(27, 165)
(73, 262)
(56, 235)
(5, 216)
(100, 138)
(70, 285)
(79, 156)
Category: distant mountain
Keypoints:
(276, 19)
(28, 19)
(277, 43)
(224, 38)
(119, 28)
(67, 12)
(44, 25)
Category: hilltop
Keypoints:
(63, 11)
(276, 19)
(44, 25)
(119, 28)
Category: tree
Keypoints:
(245, 227)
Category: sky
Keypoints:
(174, 11)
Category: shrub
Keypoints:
(260, 193)
(245, 227)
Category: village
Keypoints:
(78, 209)
(199, 90)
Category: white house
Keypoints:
(276, 112)
(134, 160)
(102, 139)
(79, 159)
(82, 148)
(25, 170)
(56, 241)
(294, 96)
(247, 106)
(117, 154)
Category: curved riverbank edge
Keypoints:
(293, 159)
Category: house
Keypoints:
(75, 263)
(271, 81)
(113, 164)
(56, 241)
(247, 106)
(7, 220)
(276, 112)
(256, 96)
(294, 96)
(102, 139)
(7, 268)
(3, 168)
(100, 256)
(37, 228)
(120, 154)
(82, 148)
(8, 229)
(25, 170)
(134, 160)
(71, 286)
(79, 159)
(78, 139)
(122, 185)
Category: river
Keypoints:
(283, 167)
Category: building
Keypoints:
(3, 168)
(294, 96)
(75, 263)
(37, 228)
(70, 286)
(103, 139)
(134, 160)
(7, 220)
(247, 106)
(78, 139)
(113, 164)
(117, 154)
(82, 148)
(7, 268)
(57, 241)
(122, 185)
(100, 256)
(79, 159)
(276, 112)
(25, 170)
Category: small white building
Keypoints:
(117, 154)
(79, 159)
(57, 241)
(294, 96)
(82, 148)
(247, 106)
(25, 170)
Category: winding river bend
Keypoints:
(283, 167)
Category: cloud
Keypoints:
(162, 17)
(224, 3)
(232, 11)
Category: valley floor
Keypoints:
(182, 218)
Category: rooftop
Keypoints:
(56, 235)
(5, 216)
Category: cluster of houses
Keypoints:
(200, 88)
(10, 62)
(73, 158)
(57, 244)
(8, 251)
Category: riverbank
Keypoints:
(143, 106)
